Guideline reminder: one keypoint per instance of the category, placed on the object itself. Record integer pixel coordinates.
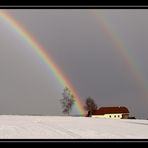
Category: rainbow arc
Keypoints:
(44, 56)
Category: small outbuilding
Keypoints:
(120, 112)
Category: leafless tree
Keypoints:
(90, 106)
(67, 101)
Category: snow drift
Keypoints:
(61, 127)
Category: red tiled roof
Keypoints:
(110, 110)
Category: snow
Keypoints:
(67, 127)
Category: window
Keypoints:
(118, 115)
(110, 116)
(115, 116)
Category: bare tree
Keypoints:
(90, 106)
(67, 101)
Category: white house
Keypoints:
(112, 112)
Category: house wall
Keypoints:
(114, 116)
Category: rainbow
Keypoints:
(122, 50)
(44, 56)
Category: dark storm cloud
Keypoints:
(86, 54)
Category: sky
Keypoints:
(103, 53)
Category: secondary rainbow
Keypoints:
(122, 50)
(44, 56)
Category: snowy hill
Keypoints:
(60, 127)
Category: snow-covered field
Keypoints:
(60, 127)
